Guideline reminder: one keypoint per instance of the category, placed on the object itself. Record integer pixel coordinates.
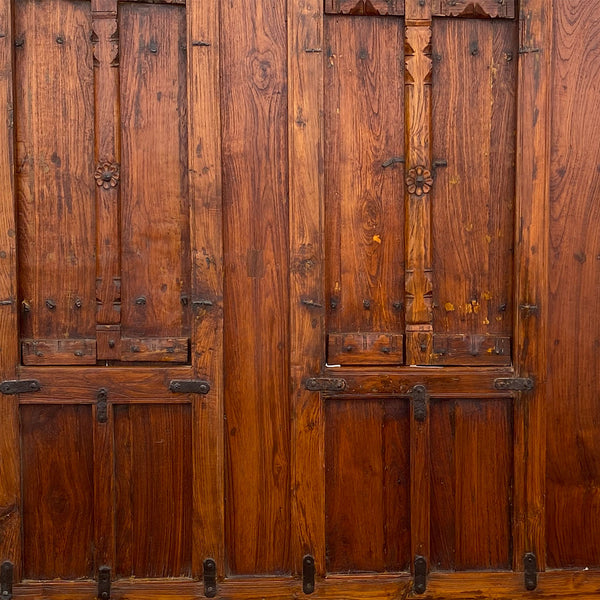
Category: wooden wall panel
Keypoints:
(364, 149)
(54, 124)
(367, 481)
(153, 482)
(58, 505)
(474, 123)
(471, 464)
(256, 305)
(573, 420)
(154, 196)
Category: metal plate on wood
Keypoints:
(104, 583)
(420, 575)
(20, 386)
(325, 384)
(210, 578)
(6, 580)
(189, 386)
(517, 384)
(419, 398)
(308, 574)
(102, 405)
(530, 567)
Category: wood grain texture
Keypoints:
(59, 352)
(10, 492)
(532, 277)
(153, 486)
(365, 7)
(472, 468)
(256, 301)
(479, 8)
(54, 125)
(365, 349)
(307, 293)
(476, 349)
(363, 183)
(473, 198)
(367, 467)
(58, 479)
(154, 176)
(205, 189)
(573, 465)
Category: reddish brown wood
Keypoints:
(57, 463)
(477, 349)
(256, 296)
(155, 349)
(59, 352)
(365, 349)
(363, 180)
(365, 7)
(153, 490)
(479, 8)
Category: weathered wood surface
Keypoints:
(365, 7)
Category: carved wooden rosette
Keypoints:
(105, 40)
(418, 286)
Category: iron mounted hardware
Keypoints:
(420, 575)
(325, 384)
(20, 386)
(104, 583)
(308, 574)
(6, 580)
(102, 405)
(516, 384)
(530, 564)
(189, 386)
(210, 578)
(419, 397)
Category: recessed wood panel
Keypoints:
(573, 417)
(471, 488)
(367, 482)
(474, 111)
(153, 481)
(57, 476)
(364, 149)
(155, 205)
(54, 126)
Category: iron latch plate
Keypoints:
(530, 566)
(420, 575)
(210, 578)
(104, 583)
(20, 386)
(514, 384)
(325, 384)
(419, 397)
(6, 580)
(189, 386)
(308, 574)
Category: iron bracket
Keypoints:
(308, 574)
(515, 384)
(20, 386)
(102, 405)
(210, 578)
(325, 384)
(104, 583)
(530, 565)
(419, 397)
(420, 584)
(189, 386)
(6, 580)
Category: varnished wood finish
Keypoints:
(153, 488)
(256, 302)
(307, 294)
(479, 8)
(365, 7)
(365, 349)
(573, 461)
(58, 528)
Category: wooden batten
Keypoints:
(480, 8)
(365, 349)
(365, 7)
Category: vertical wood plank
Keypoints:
(305, 138)
(254, 108)
(531, 277)
(204, 159)
(10, 492)
(419, 180)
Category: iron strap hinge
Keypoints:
(20, 386)
(325, 384)
(210, 578)
(6, 580)
(189, 386)
(514, 384)
(420, 584)
(530, 567)
(308, 574)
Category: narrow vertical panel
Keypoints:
(573, 413)
(204, 159)
(474, 118)
(307, 295)
(256, 304)
(532, 278)
(54, 124)
(153, 482)
(367, 485)
(10, 501)
(58, 511)
(471, 484)
(154, 174)
(364, 151)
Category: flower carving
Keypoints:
(107, 175)
(419, 181)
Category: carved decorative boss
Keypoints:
(419, 181)
(107, 175)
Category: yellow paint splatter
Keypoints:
(449, 306)
(486, 296)
(472, 307)
(486, 321)
(499, 318)
(454, 179)
(469, 227)
(377, 238)
(488, 238)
